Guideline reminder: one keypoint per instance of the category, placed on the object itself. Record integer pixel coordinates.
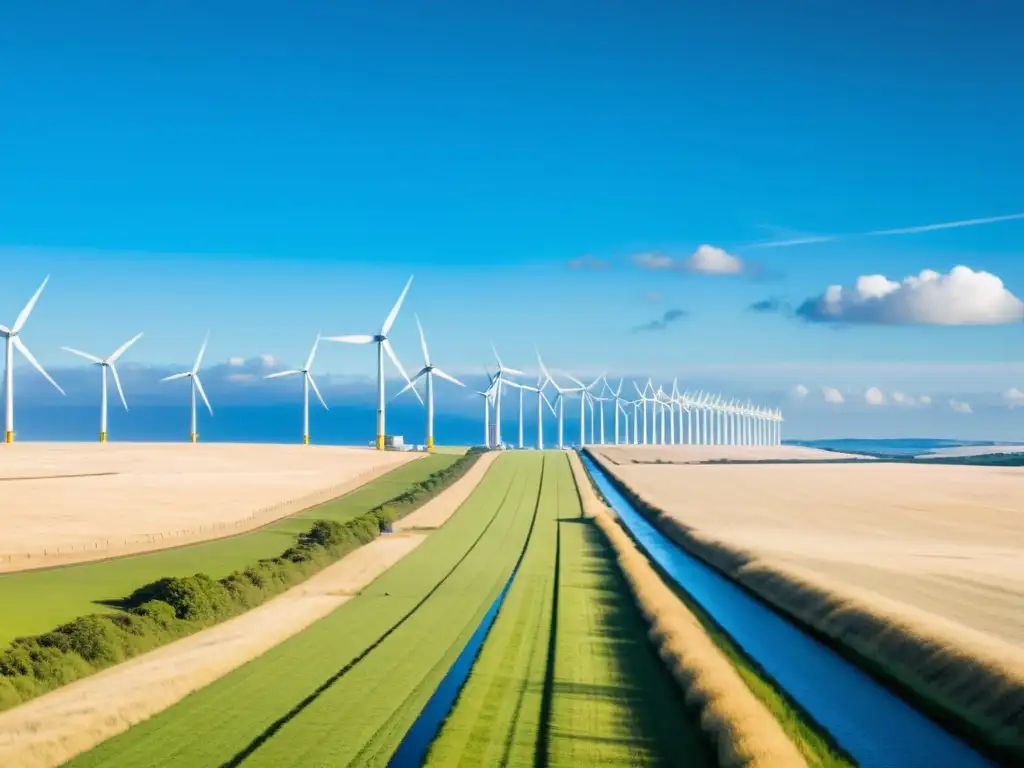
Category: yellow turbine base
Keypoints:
(380, 442)
(193, 437)
(305, 439)
(430, 445)
(103, 437)
(9, 437)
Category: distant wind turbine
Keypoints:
(105, 364)
(429, 370)
(12, 336)
(307, 382)
(195, 385)
(383, 346)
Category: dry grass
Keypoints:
(741, 728)
(916, 570)
(436, 512)
(73, 502)
(52, 729)
(700, 454)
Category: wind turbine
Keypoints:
(643, 404)
(195, 385)
(12, 336)
(560, 399)
(486, 395)
(383, 346)
(584, 390)
(618, 400)
(429, 370)
(105, 364)
(501, 377)
(307, 382)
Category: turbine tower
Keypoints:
(383, 346)
(105, 364)
(195, 385)
(307, 382)
(13, 340)
(429, 370)
(560, 399)
(501, 378)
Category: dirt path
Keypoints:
(436, 512)
(52, 729)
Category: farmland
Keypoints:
(72, 502)
(567, 668)
(36, 601)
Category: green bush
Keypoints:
(170, 608)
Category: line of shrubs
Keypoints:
(171, 608)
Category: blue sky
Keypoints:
(267, 170)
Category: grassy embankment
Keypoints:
(953, 679)
(346, 690)
(36, 601)
(174, 606)
(566, 675)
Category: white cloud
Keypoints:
(706, 260)
(268, 360)
(1013, 397)
(709, 260)
(833, 395)
(236, 362)
(910, 400)
(925, 400)
(800, 392)
(960, 406)
(874, 396)
(961, 297)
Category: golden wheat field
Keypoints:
(70, 502)
(948, 540)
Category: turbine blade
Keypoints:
(202, 393)
(447, 377)
(550, 406)
(575, 380)
(184, 375)
(20, 346)
(279, 374)
(514, 371)
(202, 351)
(637, 389)
(355, 339)
(494, 349)
(316, 391)
(410, 385)
(398, 365)
(121, 350)
(80, 353)
(423, 341)
(28, 307)
(117, 383)
(312, 353)
(394, 311)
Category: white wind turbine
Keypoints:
(584, 390)
(542, 400)
(195, 385)
(383, 346)
(618, 400)
(104, 365)
(486, 395)
(500, 379)
(429, 370)
(559, 399)
(307, 382)
(643, 404)
(12, 336)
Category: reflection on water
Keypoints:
(869, 722)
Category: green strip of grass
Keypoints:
(32, 602)
(344, 691)
(567, 676)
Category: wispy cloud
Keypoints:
(587, 261)
(705, 260)
(769, 305)
(660, 324)
(785, 243)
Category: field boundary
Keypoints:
(956, 681)
(107, 549)
(739, 727)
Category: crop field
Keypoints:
(701, 454)
(36, 601)
(73, 502)
(345, 690)
(945, 540)
(567, 676)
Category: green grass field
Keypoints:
(36, 601)
(347, 689)
(567, 676)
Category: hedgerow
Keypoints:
(170, 608)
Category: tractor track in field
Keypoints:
(239, 758)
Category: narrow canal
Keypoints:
(878, 729)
